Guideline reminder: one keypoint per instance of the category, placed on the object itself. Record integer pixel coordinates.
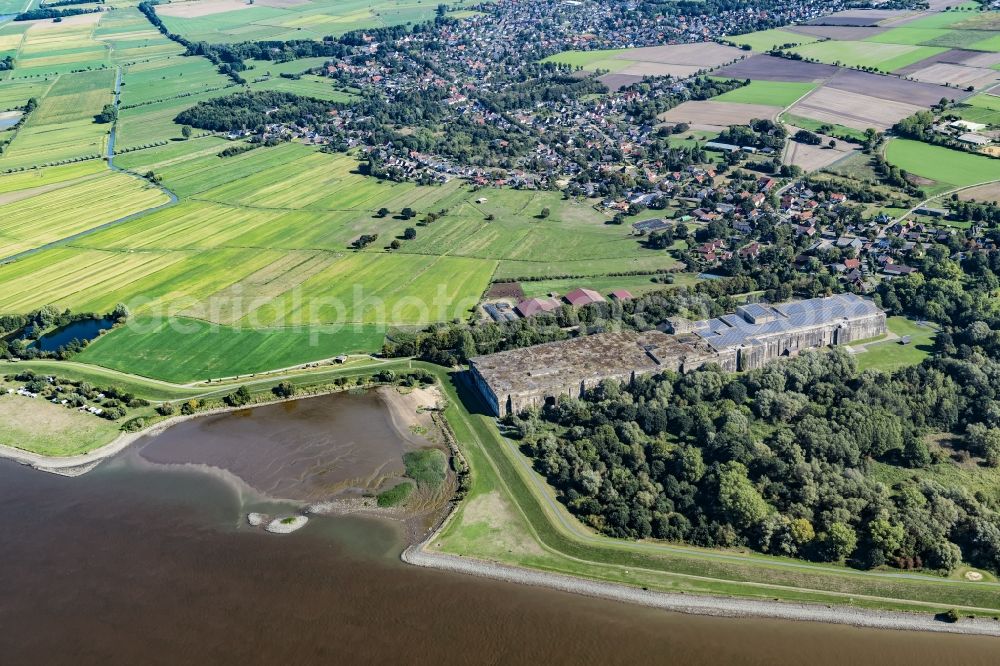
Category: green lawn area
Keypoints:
(769, 93)
(187, 350)
(890, 354)
(592, 60)
(34, 424)
(885, 57)
(947, 167)
(765, 40)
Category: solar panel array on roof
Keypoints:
(733, 330)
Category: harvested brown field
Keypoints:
(198, 8)
(958, 75)
(990, 192)
(720, 114)
(975, 58)
(953, 57)
(813, 158)
(48, 24)
(505, 290)
(830, 105)
(892, 88)
(770, 68)
(617, 80)
(860, 17)
(702, 55)
(642, 69)
(838, 32)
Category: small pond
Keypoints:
(85, 329)
(8, 118)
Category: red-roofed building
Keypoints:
(622, 295)
(580, 297)
(533, 306)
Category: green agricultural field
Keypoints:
(62, 127)
(890, 354)
(769, 93)
(165, 78)
(70, 208)
(980, 109)
(885, 57)
(312, 19)
(154, 122)
(592, 61)
(262, 239)
(950, 168)
(186, 350)
(308, 85)
(909, 36)
(765, 40)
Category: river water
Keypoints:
(136, 563)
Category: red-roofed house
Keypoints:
(580, 297)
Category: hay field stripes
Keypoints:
(111, 199)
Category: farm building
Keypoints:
(583, 296)
(622, 295)
(517, 379)
(533, 306)
(650, 225)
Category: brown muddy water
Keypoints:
(307, 450)
(136, 563)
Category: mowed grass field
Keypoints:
(949, 168)
(64, 208)
(768, 93)
(187, 350)
(884, 57)
(62, 128)
(891, 355)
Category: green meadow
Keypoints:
(603, 59)
(890, 355)
(187, 350)
(980, 109)
(949, 168)
(769, 93)
(885, 57)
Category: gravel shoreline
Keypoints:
(696, 604)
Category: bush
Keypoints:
(396, 495)
(238, 398)
(284, 390)
(427, 467)
(166, 409)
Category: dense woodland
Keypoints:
(253, 111)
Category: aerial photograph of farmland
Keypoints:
(516, 331)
